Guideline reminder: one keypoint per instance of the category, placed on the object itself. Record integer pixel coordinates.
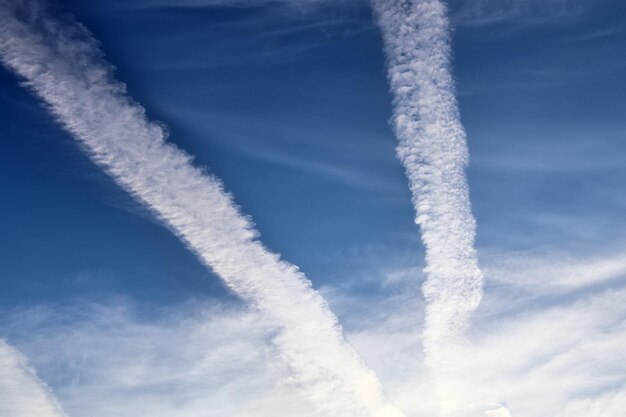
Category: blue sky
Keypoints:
(312, 168)
(288, 104)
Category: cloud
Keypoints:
(22, 394)
(61, 63)
(462, 12)
(114, 358)
(498, 412)
(434, 153)
(535, 358)
(543, 360)
(537, 352)
(485, 12)
(291, 6)
(107, 359)
(608, 405)
(549, 273)
(214, 3)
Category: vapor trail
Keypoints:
(61, 63)
(433, 149)
(22, 394)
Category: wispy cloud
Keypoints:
(106, 359)
(549, 273)
(434, 152)
(549, 153)
(286, 7)
(237, 135)
(148, 4)
(608, 405)
(561, 359)
(484, 12)
(22, 393)
(538, 357)
(544, 360)
(62, 64)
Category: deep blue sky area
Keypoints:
(289, 107)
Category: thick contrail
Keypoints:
(22, 394)
(434, 152)
(61, 63)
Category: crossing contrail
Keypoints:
(432, 147)
(61, 62)
(22, 394)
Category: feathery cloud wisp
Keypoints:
(62, 64)
(22, 394)
(434, 152)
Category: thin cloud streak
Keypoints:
(434, 153)
(62, 64)
(487, 12)
(541, 274)
(608, 405)
(22, 393)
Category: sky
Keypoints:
(288, 104)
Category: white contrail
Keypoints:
(433, 149)
(22, 394)
(62, 64)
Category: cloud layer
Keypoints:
(61, 63)
(561, 359)
(106, 360)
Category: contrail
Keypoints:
(432, 147)
(22, 394)
(62, 64)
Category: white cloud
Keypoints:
(62, 64)
(535, 360)
(541, 273)
(539, 361)
(434, 152)
(106, 360)
(22, 393)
